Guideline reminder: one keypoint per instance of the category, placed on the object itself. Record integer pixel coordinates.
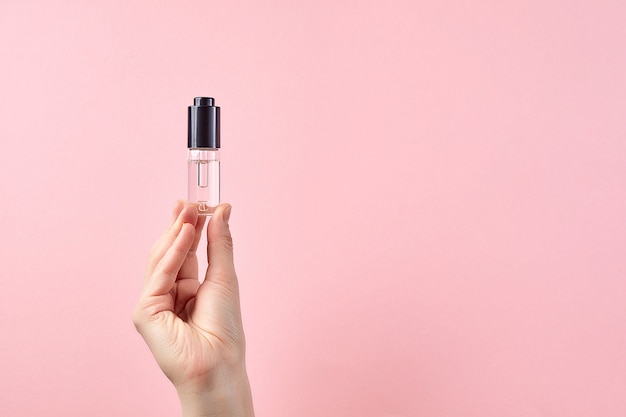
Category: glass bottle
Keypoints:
(203, 156)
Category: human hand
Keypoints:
(194, 329)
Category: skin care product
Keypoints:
(203, 156)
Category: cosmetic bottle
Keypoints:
(203, 156)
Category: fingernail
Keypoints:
(226, 214)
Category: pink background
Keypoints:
(429, 201)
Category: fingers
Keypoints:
(189, 269)
(199, 226)
(220, 246)
(182, 213)
(178, 207)
(166, 270)
(168, 258)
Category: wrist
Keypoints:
(227, 394)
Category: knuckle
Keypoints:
(227, 241)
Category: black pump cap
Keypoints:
(204, 124)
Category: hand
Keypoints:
(194, 330)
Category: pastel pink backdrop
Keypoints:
(429, 201)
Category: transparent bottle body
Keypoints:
(204, 179)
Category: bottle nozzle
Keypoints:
(203, 101)
(204, 124)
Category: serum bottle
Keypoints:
(203, 156)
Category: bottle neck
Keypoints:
(203, 154)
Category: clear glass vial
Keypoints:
(203, 156)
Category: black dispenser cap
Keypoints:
(204, 124)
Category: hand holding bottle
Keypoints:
(194, 329)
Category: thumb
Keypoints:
(220, 245)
